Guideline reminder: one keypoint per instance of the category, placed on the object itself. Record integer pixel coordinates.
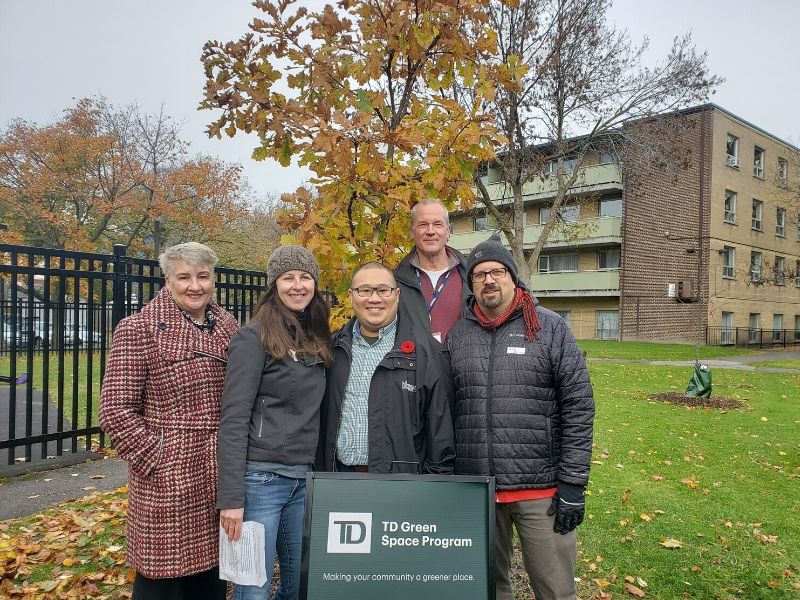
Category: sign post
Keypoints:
(393, 537)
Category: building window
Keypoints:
(758, 208)
(732, 145)
(798, 226)
(570, 163)
(726, 333)
(780, 222)
(758, 162)
(797, 328)
(777, 328)
(607, 158)
(797, 274)
(783, 172)
(730, 207)
(754, 327)
(607, 324)
(571, 212)
(558, 263)
(728, 262)
(755, 267)
(480, 224)
(780, 265)
(608, 259)
(610, 207)
(566, 315)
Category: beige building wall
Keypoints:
(738, 294)
(582, 312)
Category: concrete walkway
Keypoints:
(740, 363)
(33, 493)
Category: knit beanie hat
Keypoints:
(491, 249)
(287, 258)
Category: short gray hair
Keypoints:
(193, 253)
(429, 202)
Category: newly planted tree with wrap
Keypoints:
(365, 106)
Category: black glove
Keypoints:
(568, 506)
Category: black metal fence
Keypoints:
(745, 337)
(57, 312)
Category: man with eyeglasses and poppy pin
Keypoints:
(389, 391)
(433, 275)
(524, 412)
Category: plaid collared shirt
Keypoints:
(352, 443)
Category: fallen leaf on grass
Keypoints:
(645, 517)
(671, 543)
(634, 591)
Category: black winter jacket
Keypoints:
(524, 409)
(412, 302)
(270, 412)
(410, 427)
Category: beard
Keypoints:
(494, 302)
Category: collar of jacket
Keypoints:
(407, 274)
(344, 337)
(167, 321)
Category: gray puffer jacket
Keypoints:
(524, 409)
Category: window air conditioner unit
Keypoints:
(685, 291)
(732, 161)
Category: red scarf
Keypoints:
(523, 299)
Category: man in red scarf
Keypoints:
(524, 412)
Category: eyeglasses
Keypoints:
(497, 274)
(366, 291)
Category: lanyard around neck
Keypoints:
(442, 282)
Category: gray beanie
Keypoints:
(491, 249)
(287, 258)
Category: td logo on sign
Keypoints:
(349, 533)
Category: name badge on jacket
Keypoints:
(515, 350)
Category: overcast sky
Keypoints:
(147, 52)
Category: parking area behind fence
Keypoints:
(58, 310)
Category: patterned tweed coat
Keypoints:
(160, 404)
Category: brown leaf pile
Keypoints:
(695, 401)
(79, 549)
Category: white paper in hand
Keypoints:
(242, 562)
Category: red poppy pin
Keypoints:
(407, 347)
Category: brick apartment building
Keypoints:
(711, 249)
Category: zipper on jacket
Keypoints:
(489, 384)
(261, 411)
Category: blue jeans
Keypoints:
(278, 503)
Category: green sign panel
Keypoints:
(395, 537)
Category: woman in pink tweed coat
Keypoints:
(160, 404)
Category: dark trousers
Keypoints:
(201, 586)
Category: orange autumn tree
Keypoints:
(102, 175)
(364, 107)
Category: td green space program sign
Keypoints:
(388, 537)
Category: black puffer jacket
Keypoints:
(410, 426)
(524, 409)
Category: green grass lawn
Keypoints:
(651, 351)
(724, 484)
(78, 390)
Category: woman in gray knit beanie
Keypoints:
(269, 427)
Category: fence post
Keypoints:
(120, 278)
